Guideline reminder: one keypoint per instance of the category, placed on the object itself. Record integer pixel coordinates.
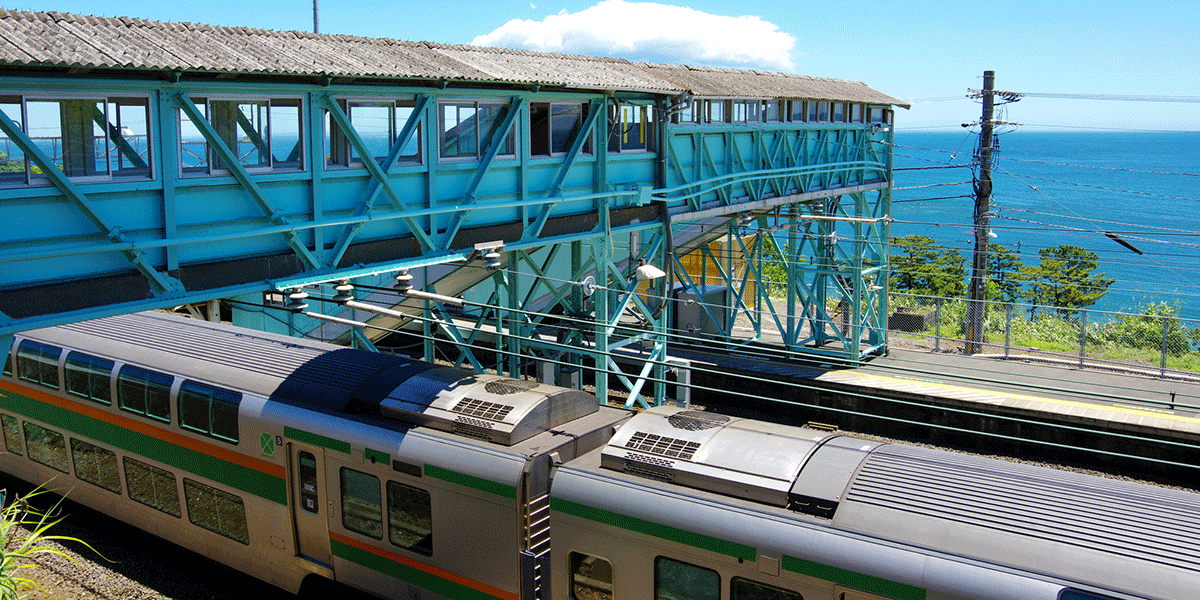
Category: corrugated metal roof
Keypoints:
(68, 40)
(740, 83)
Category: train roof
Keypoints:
(329, 378)
(1075, 526)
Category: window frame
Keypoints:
(111, 153)
(549, 130)
(574, 561)
(658, 560)
(379, 497)
(58, 461)
(15, 433)
(44, 368)
(157, 477)
(617, 130)
(502, 107)
(222, 502)
(425, 545)
(212, 165)
(188, 397)
(146, 383)
(735, 580)
(339, 152)
(92, 377)
(80, 447)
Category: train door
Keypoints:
(310, 504)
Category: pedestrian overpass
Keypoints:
(553, 209)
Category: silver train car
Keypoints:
(297, 461)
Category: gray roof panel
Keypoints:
(68, 40)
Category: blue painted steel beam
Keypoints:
(231, 162)
(160, 283)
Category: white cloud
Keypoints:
(647, 31)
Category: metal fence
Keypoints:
(1155, 341)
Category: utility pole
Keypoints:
(976, 306)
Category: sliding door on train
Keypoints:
(310, 504)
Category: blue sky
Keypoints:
(925, 52)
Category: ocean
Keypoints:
(1052, 188)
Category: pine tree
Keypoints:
(1064, 278)
(925, 269)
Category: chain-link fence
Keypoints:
(1154, 341)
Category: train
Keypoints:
(298, 461)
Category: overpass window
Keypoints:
(745, 589)
(96, 465)
(856, 113)
(553, 127)
(86, 139)
(46, 447)
(839, 112)
(144, 392)
(674, 579)
(38, 363)
(468, 128)
(410, 518)
(591, 578)
(88, 377)
(263, 134)
(152, 486)
(799, 112)
(216, 510)
(715, 111)
(378, 123)
(686, 115)
(770, 111)
(12, 434)
(632, 128)
(209, 410)
(362, 504)
(814, 111)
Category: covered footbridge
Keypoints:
(563, 211)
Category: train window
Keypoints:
(7, 365)
(745, 589)
(209, 410)
(308, 483)
(675, 580)
(12, 434)
(96, 465)
(362, 506)
(216, 510)
(1078, 595)
(591, 578)
(152, 486)
(410, 518)
(88, 377)
(145, 392)
(47, 447)
(38, 363)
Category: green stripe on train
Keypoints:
(658, 530)
(317, 439)
(403, 572)
(185, 459)
(471, 481)
(858, 581)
